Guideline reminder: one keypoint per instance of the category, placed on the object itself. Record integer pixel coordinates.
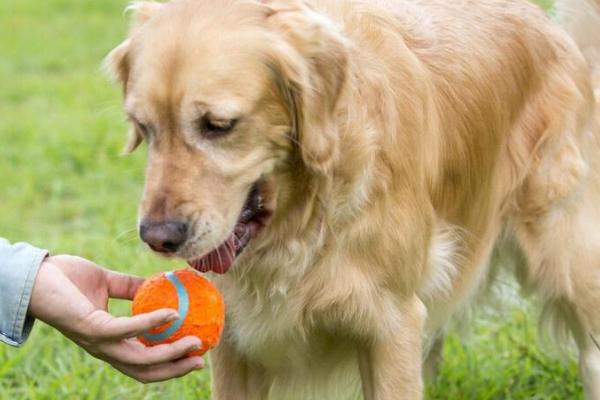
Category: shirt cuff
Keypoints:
(19, 265)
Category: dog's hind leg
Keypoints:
(562, 253)
(433, 359)
(557, 225)
(581, 18)
(589, 361)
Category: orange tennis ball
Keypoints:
(199, 303)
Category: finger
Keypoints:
(127, 327)
(163, 371)
(122, 286)
(135, 353)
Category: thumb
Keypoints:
(122, 286)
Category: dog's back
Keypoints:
(581, 18)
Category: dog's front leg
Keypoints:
(233, 378)
(390, 364)
(228, 372)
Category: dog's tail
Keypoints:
(581, 18)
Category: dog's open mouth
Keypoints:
(252, 219)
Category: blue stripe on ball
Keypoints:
(184, 304)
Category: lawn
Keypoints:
(64, 186)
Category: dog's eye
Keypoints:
(212, 128)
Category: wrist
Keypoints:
(57, 300)
(19, 268)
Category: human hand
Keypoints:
(71, 294)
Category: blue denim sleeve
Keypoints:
(19, 264)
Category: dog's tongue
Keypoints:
(218, 260)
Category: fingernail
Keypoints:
(172, 316)
(197, 345)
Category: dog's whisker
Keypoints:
(127, 236)
(231, 246)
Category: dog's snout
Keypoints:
(164, 237)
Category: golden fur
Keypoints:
(400, 141)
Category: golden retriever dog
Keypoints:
(345, 168)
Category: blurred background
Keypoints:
(64, 186)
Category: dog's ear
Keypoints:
(142, 11)
(134, 139)
(311, 67)
(117, 63)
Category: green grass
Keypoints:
(64, 186)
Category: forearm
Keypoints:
(19, 264)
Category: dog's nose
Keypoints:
(164, 237)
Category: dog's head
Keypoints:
(227, 94)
